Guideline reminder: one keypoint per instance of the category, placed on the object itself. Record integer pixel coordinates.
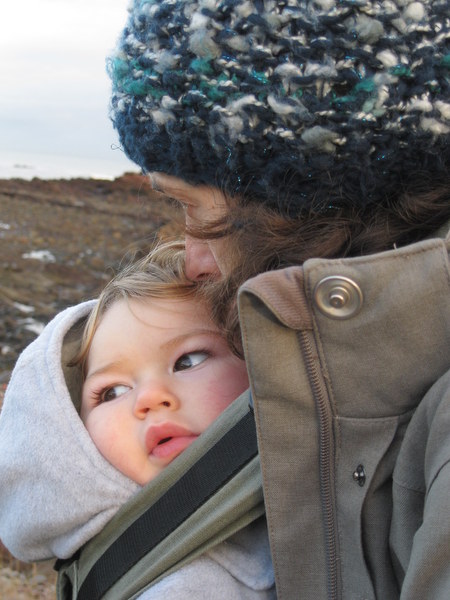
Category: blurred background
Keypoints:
(54, 90)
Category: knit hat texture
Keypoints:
(322, 103)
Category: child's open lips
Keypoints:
(168, 440)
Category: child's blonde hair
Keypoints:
(159, 274)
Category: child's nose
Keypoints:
(154, 397)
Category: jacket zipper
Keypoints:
(326, 462)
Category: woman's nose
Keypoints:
(154, 397)
(200, 261)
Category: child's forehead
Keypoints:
(190, 308)
(136, 331)
(132, 315)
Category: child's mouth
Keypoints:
(163, 441)
(171, 447)
(167, 440)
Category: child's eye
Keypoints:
(113, 392)
(190, 359)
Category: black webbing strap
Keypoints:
(235, 449)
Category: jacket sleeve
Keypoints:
(428, 571)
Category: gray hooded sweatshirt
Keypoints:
(57, 491)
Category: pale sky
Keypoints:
(54, 90)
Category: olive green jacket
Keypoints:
(349, 366)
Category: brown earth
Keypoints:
(60, 241)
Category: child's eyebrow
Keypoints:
(179, 339)
(169, 345)
(104, 369)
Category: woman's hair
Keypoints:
(262, 239)
(159, 274)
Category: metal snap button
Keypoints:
(359, 475)
(338, 297)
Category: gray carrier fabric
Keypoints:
(169, 535)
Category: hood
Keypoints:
(56, 489)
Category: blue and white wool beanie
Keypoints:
(294, 103)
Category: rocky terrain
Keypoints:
(60, 241)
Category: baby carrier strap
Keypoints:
(209, 493)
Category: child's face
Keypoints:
(158, 374)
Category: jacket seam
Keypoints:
(386, 257)
(261, 462)
(437, 474)
(410, 488)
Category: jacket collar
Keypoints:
(394, 347)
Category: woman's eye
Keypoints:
(114, 392)
(189, 360)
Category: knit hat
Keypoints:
(294, 103)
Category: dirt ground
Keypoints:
(60, 241)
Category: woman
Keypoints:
(309, 143)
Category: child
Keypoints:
(155, 373)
